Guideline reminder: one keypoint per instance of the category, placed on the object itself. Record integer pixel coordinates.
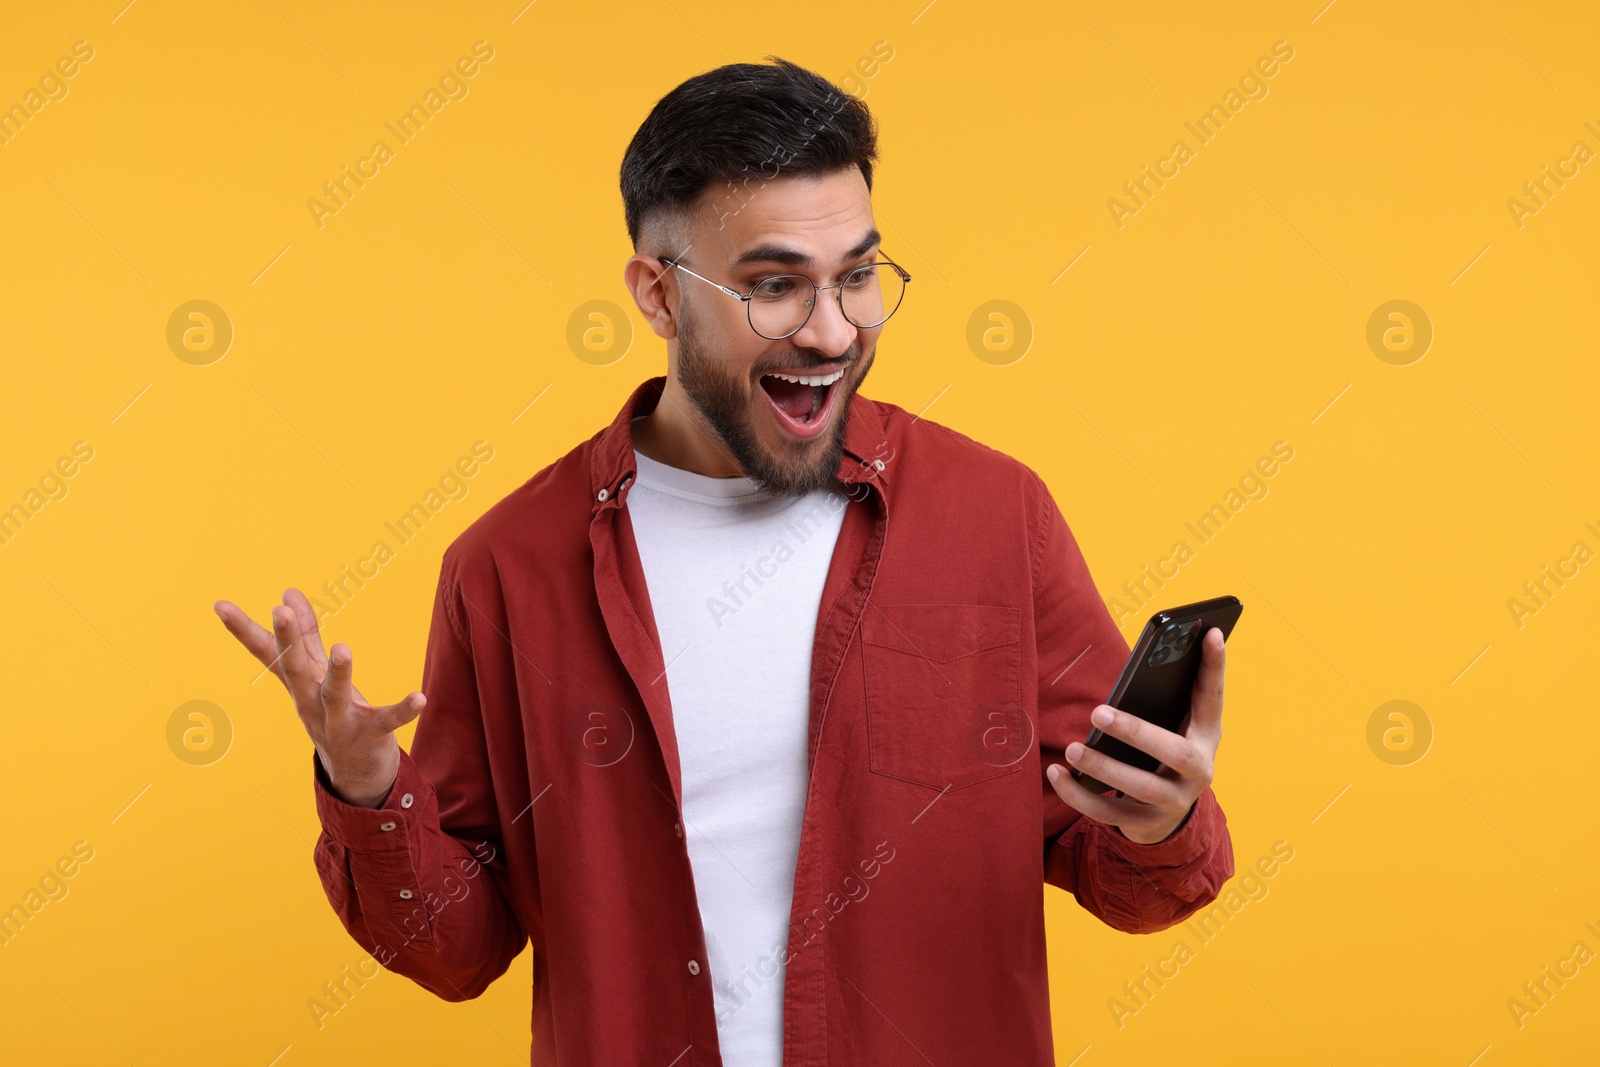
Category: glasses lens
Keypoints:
(779, 304)
(871, 294)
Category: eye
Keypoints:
(775, 288)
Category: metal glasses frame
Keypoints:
(746, 297)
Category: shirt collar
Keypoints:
(612, 468)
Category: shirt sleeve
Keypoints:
(1136, 888)
(421, 882)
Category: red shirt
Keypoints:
(960, 644)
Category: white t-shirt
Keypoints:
(735, 580)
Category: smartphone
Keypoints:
(1158, 680)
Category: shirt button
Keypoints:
(387, 826)
(677, 828)
(878, 463)
(405, 894)
(604, 493)
(694, 968)
(405, 801)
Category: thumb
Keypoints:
(397, 715)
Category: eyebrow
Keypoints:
(793, 257)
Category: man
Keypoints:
(747, 711)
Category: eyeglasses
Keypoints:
(780, 304)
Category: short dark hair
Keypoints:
(741, 122)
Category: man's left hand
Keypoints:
(1150, 806)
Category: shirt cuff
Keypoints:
(1193, 838)
(387, 828)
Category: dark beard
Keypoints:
(724, 402)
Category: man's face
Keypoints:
(817, 226)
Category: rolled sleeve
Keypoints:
(422, 881)
(387, 828)
(373, 855)
(1129, 886)
(1141, 889)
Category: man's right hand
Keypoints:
(355, 741)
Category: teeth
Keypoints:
(811, 379)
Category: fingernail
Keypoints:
(218, 609)
(1100, 717)
(1074, 750)
(1054, 773)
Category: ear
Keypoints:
(647, 279)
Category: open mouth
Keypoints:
(802, 402)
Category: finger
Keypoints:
(257, 639)
(1125, 815)
(1170, 749)
(1136, 783)
(1076, 794)
(1205, 704)
(307, 619)
(395, 716)
(297, 665)
(336, 683)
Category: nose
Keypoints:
(827, 330)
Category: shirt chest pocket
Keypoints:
(944, 692)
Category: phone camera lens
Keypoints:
(1183, 644)
(1158, 657)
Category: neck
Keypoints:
(674, 434)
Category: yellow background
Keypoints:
(1229, 313)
